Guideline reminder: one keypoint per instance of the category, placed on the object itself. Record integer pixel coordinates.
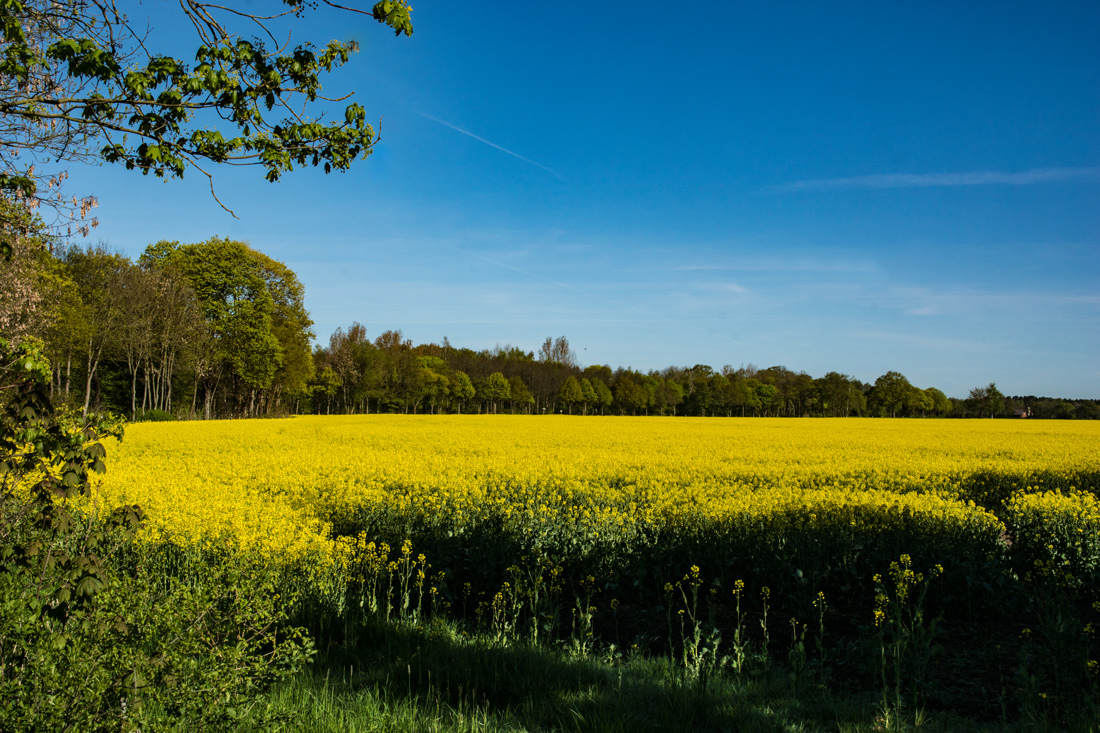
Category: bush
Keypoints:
(154, 416)
(92, 637)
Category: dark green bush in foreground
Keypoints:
(91, 637)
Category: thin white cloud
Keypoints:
(779, 265)
(930, 180)
(1004, 306)
(490, 143)
(1024, 300)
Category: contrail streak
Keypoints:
(490, 143)
(532, 274)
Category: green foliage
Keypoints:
(153, 415)
(940, 404)
(588, 394)
(387, 377)
(630, 396)
(570, 393)
(603, 393)
(41, 456)
(325, 383)
(987, 401)
(497, 388)
(891, 394)
(519, 393)
(99, 278)
(907, 641)
(765, 396)
(430, 379)
(838, 395)
(217, 319)
(81, 84)
(462, 388)
(93, 635)
(1056, 539)
(259, 329)
(102, 646)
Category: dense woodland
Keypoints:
(217, 329)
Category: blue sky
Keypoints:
(858, 187)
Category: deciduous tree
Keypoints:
(603, 394)
(462, 389)
(940, 404)
(986, 400)
(557, 351)
(519, 394)
(588, 395)
(23, 305)
(100, 279)
(497, 389)
(431, 380)
(234, 284)
(890, 394)
(629, 394)
(81, 81)
(570, 393)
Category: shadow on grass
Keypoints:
(431, 679)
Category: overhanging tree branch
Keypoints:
(79, 83)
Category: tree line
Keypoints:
(390, 374)
(211, 329)
(217, 329)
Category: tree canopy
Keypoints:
(82, 81)
(986, 400)
(257, 324)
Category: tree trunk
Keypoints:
(208, 403)
(92, 364)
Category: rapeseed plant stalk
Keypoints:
(584, 612)
(765, 595)
(819, 640)
(699, 641)
(741, 644)
(796, 656)
(906, 640)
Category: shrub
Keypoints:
(154, 415)
(90, 637)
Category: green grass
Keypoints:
(403, 678)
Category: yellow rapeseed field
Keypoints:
(302, 489)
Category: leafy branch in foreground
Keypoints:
(80, 82)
